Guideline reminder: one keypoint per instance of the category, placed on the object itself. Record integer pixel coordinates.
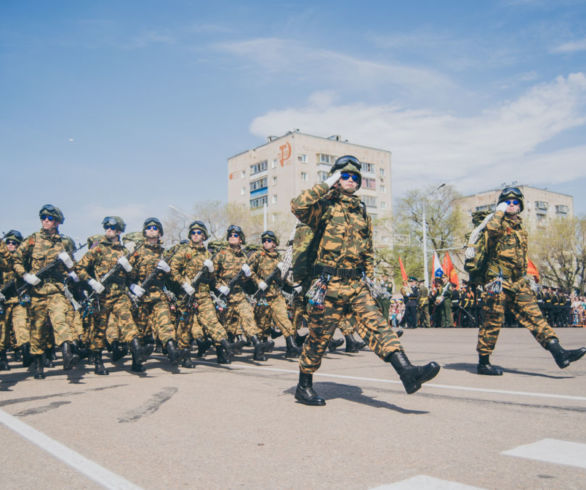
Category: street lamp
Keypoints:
(424, 225)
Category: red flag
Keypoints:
(450, 271)
(532, 269)
(403, 273)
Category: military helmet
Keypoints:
(269, 234)
(511, 193)
(236, 229)
(150, 222)
(13, 235)
(54, 211)
(348, 163)
(199, 225)
(116, 221)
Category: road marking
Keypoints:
(236, 366)
(92, 470)
(552, 451)
(427, 482)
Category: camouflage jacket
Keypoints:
(99, 260)
(143, 262)
(346, 240)
(423, 299)
(187, 263)
(506, 247)
(39, 250)
(7, 273)
(228, 264)
(262, 264)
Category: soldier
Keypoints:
(197, 317)
(443, 300)
(232, 271)
(105, 267)
(14, 317)
(344, 254)
(423, 306)
(410, 294)
(264, 263)
(509, 285)
(148, 274)
(47, 253)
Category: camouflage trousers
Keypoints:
(76, 323)
(203, 321)
(155, 318)
(423, 316)
(52, 310)
(14, 320)
(523, 305)
(343, 297)
(274, 312)
(115, 317)
(239, 315)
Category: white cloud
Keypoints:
(571, 47)
(496, 145)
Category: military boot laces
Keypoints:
(4, 361)
(70, 358)
(39, 366)
(224, 352)
(292, 349)
(412, 376)
(564, 357)
(486, 368)
(305, 393)
(99, 367)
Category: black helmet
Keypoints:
(511, 193)
(348, 163)
(236, 229)
(199, 225)
(269, 234)
(116, 221)
(152, 222)
(13, 235)
(50, 210)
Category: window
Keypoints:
(302, 158)
(562, 209)
(321, 175)
(258, 184)
(368, 168)
(243, 174)
(369, 184)
(258, 167)
(274, 199)
(304, 176)
(243, 191)
(542, 205)
(274, 180)
(274, 163)
(383, 205)
(381, 172)
(370, 201)
(323, 158)
(258, 202)
(382, 188)
(487, 207)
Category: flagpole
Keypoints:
(425, 275)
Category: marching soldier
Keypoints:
(344, 254)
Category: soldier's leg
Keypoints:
(207, 316)
(4, 341)
(165, 329)
(98, 337)
(246, 316)
(493, 314)
(183, 327)
(278, 313)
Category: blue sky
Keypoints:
(111, 107)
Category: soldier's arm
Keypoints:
(495, 224)
(86, 264)
(177, 264)
(308, 207)
(368, 254)
(22, 256)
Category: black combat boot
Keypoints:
(564, 357)
(305, 393)
(237, 345)
(39, 366)
(118, 351)
(259, 349)
(4, 361)
(99, 367)
(27, 359)
(70, 358)
(148, 347)
(186, 361)
(486, 368)
(412, 376)
(351, 344)
(275, 334)
(292, 349)
(334, 344)
(50, 357)
(269, 345)
(137, 355)
(202, 346)
(224, 352)
(300, 339)
(18, 354)
(399, 332)
(172, 351)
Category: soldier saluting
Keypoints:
(344, 255)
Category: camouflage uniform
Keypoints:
(423, 307)
(346, 245)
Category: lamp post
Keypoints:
(424, 225)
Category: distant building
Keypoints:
(540, 205)
(274, 173)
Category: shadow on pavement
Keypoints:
(471, 368)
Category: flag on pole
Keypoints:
(450, 271)
(435, 267)
(403, 273)
(532, 269)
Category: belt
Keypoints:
(333, 271)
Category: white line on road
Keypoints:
(236, 366)
(425, 482)
(85, 466)
(552, 451)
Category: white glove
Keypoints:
(283, 268)
(123, 261)
(502, 206)
(297, 289)
(246, 270)
(97, 286)
(332, 179)
(31, 279)
(130, 246)
(188, 288)
(137, 290)
(262, 285)
(225, 290)
(66, 259)
(163, 266)
(2, 297)
(73, 276)
(209, 264)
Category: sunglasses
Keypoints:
(196, 232)
(514, 201)
(110, 227)
(47, 217)
(152, 227)
(234, 235)
(346, 176)
(11, 242)
(267, 240)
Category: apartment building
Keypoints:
(267, 177)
